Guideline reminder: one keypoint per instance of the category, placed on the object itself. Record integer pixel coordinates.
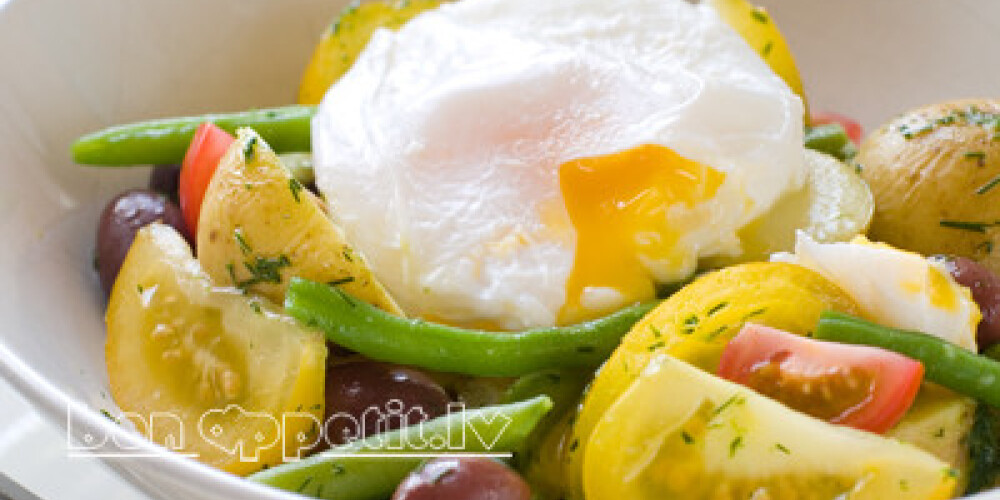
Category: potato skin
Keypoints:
(930, 172)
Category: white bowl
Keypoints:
(73, 66)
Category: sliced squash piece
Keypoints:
(259, 227)
(679, 432)
(208, 371)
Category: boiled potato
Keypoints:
(934, 173)
(835, 204)
(259, 228)
(939, 422)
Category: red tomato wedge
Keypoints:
(852, 127)
(207, 147)
(864, 387)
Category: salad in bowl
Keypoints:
(567, 249)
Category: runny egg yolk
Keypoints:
(618, 205)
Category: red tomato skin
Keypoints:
(207, 147)
(852, 127)
(895, 378)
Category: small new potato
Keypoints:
(934, 173)
(259, 227)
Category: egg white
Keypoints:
(894, 287)
(439, 150)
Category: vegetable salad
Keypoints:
(508, 250)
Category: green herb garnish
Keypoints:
(985, 188)
(295, 187)
(248, 149)
(976, 227)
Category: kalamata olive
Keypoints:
(164, 179)
(985, 287)
(463, 478)
(121, 219)
(367, 397)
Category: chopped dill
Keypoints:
(985, 188)
(716, 308)
(735, 445)
(341, 281)
(759, 15)
(248, 151)
(242, 241)
(688, 439)
(295, 187)
(976, 227)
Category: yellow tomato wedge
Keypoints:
(755, 25)
(697, 322)
(679, 432)
(208, 371)
(347, 36)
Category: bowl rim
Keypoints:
(55, 405)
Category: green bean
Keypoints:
(830, 138)
(564, 387)
(365, 469)
(164, 141)
(993, 352)
(947, 364)
(984, 450)
(378, 335)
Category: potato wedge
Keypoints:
(259, 228)
(834, 205)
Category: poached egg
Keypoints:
(516, 163)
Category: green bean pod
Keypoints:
(831, 139)
(164, 141)
(383, 337)
(947, 364)
(368, 470)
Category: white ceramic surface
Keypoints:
(71, 66)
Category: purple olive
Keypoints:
(121, 219)
(165, 179)
(367, 397)
(463, 478)
(985, 287)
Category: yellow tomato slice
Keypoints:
(207, 371)
(679, 432)
(697, 322)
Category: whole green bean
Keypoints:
(378, 335)
(367, 469)
(164, 141)
(947, 364)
